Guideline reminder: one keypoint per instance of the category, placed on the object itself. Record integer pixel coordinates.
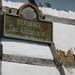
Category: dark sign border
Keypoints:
(46, 39)
(36, 40)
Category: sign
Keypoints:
(27, 28)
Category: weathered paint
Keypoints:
(33, 30)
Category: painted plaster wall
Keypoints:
(64, 38)
(24, 69)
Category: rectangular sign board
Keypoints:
(16, 27)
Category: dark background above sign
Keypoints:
(65, 5)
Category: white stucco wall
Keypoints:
(24, 69)
(24, 48)
(63, 36)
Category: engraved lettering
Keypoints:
(27, 28)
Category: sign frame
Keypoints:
(27, 38)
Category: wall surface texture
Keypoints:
(63, 37)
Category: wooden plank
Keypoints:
(5, 9)
(61, 70)
(54, 53)
(47, 18)
(13, 11)
(56, 59)
(50, 18)
(27, 60)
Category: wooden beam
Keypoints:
(56, 59)
(27, 60)
(50, 18)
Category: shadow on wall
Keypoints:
(65, 5)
